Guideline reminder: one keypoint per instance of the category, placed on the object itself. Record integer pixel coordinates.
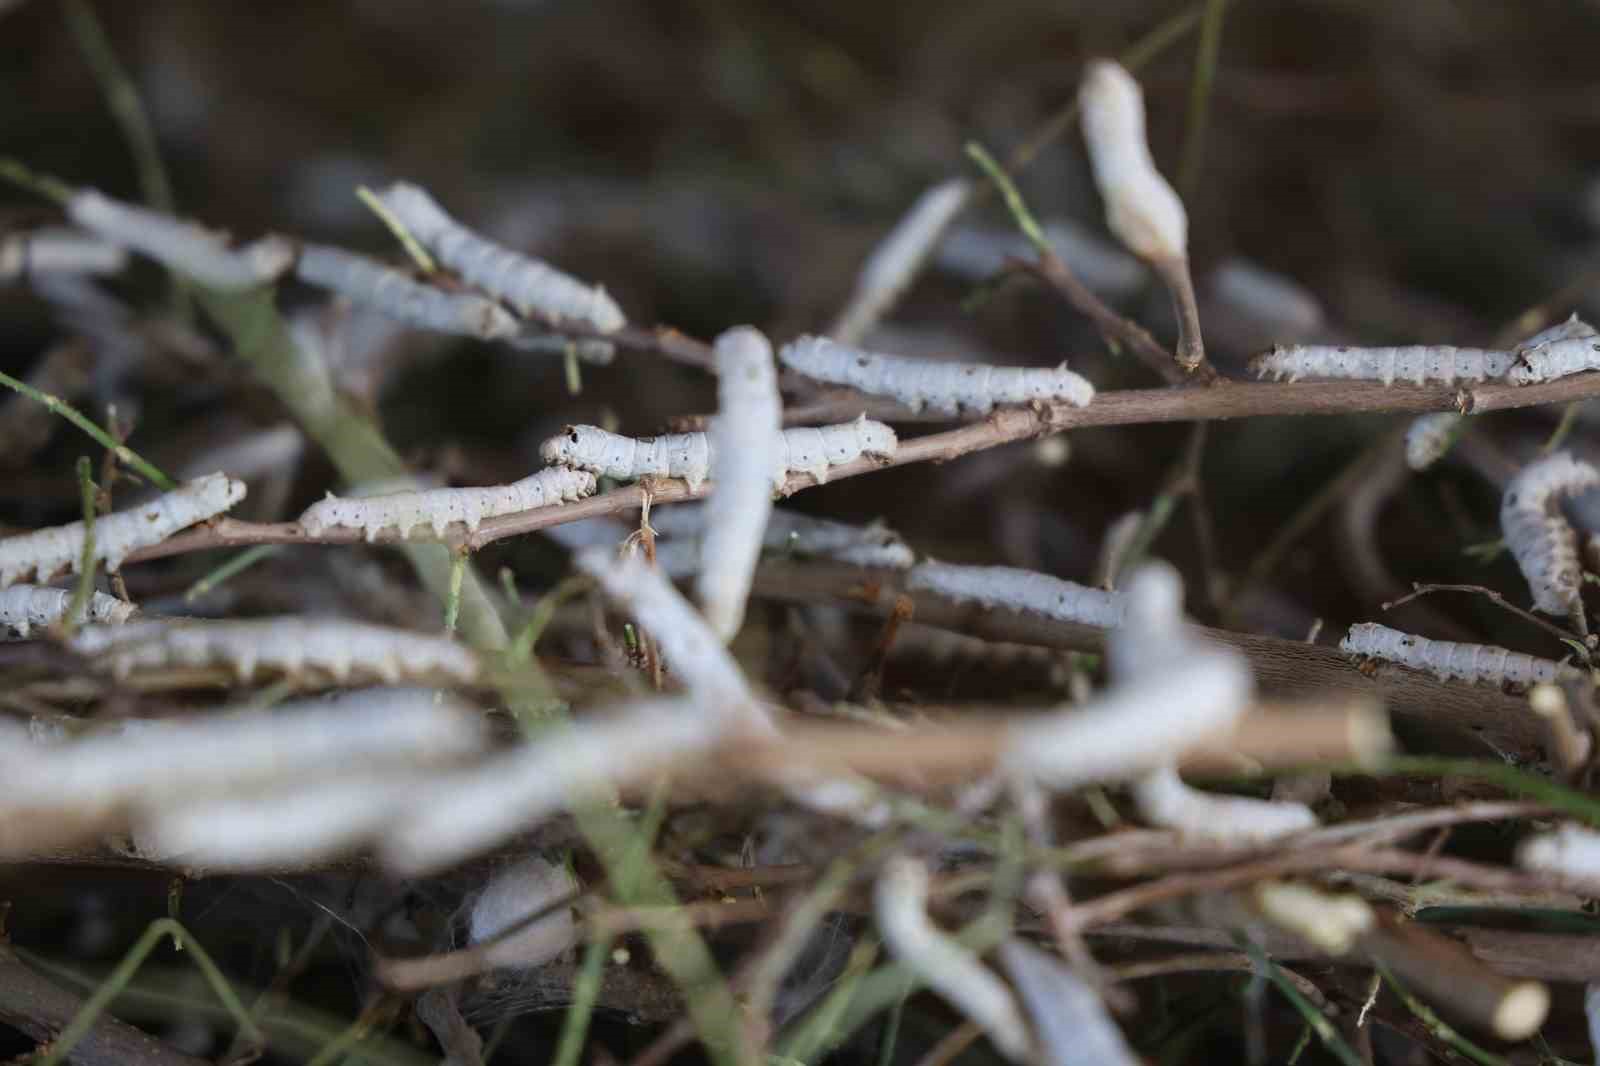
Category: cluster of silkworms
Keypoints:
(438, 509)
(1450, 661)
(1539, 536)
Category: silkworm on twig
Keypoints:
(944, 386)
(747, 439)
(1072, 1025)
(371, 284)
(1566, 348)
(24, 607)
(438, 509)
(56, 250)
(529, 286)
(874, 546)
(1019, 590)
(894, 263)
(1539, 536)
(45, 553)
(1450, 661)
(1429, 437)
(688, 455)
(1417, 363)
(1164, 800)
(182, 246)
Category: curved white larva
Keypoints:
(1549, 360)
(516, 893)
(290, 646)
(1164, 800)
(47, 552)
(24, 607)
(1141, 207)
(530, 286)
(1430, 436)
(1449, 661)
(182, 246)
(944, 386)
(1540, 538)
(57, 250)
(894, 263)
(1416, 363)
(812, 451)
(1070, 1019)
(747, 440)
(384, 289)
(1019, 590)
(438, 509)
(1331, 922)
(1571, 328)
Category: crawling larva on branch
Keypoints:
(26, 607)
(1556, 358)
(1019, 590)
(1449, 661)
(437, 509)
(1540, 538)
(57, 250)
(182, 246)
(1418, 364)
(47, 552)
(948, 387)
(1430, 436)
(875, 545)
(386, 290)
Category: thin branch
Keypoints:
(1419, 589)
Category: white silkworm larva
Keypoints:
(437, 509)
(943, 386)
(55, 250)
(747, 440)
(1327, 921)
(1019, 590)
(1415, 363)
(1429, 437)
(688, 455)
(47, 552)
(182, 246)
(530, 286)
(1070, 1020)
(874, 545)
(1164, 800)
(1538, 534)
(532, 886)
(291, 646)
(894, 263)
(384, 289)
(1570, 328)
(1141, 207)
(24, 607)
(901, 905)
(1571, 851)
(1552, 359)
(1449, 661)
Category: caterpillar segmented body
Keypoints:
(47, 552)
(290, 646)
(1450, 661)
(1569, 348)
(1430, 436)
(1568, 329)
(26, 607)
(1540, 538)
(56, 250)
(943, 386)
(365, 281)
(182, 246)
(1020, 590)
(688, 455)
(875, 545)
(1142, 208)
(1418, 364)
(437, 509)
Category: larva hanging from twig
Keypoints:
(369, 283)
(437, 509)
(26, 607)
(688, 455)
(1540, 538)
(290, 646)
(949, 387)
(531, 287)
(1418, 364)
(1430, 436)
(1450, 661)
(57, 250)
(875, 546)
(1019, 590)
(182, 246)
(47, 552)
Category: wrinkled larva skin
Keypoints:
(1555, 359)
(24, 608)
(1539, 535)
(1418, 364)
(182, 246)
(438, 509)
(1020, 590)
(1483, 664)
(392, 293)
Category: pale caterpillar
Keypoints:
(1449, 661)
(1570, 851)
(289, 646)
(1019, 590)
(688, 455)
(875, 545)
(1429, 437)
(1332, 923)
(1070, 1019)
(1415, 363)
(948, 387)
(24, 607)
(437, 509)
(1568, 348)
(1164, 800)
(1540, 538)
(181, 246)
(747, 439)
(894, 263)
(384, 289)
(55, 250)
(516, 893)
(901, 905)
(46, 552)
(1570, 328)
(530, 286)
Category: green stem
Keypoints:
(1437, 1025)
(1205, 75)
(1318, 1022)
(235, 565)
(79, 607)
(125, 455)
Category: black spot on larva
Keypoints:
(572, 434)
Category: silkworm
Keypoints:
(688, 455)
(747, 439)
(894, 263)
(1449, 661)
(384, 289)
(438, 509)
(23, 607)
(1164, 800)
(1330, 922)
(532, 888)
(529, 286)
(943, 386)
(288, 646)
(1540, 538)
(56, 250)
(1557, 358)
(1570, 851)
(1019, 590)
(1141, 207)
(1069, 1018)
(901, 906)
(47, 552)
(181, 246)
(1415, 363)
(1568, 329)
(1430, 436)
(874, 546)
